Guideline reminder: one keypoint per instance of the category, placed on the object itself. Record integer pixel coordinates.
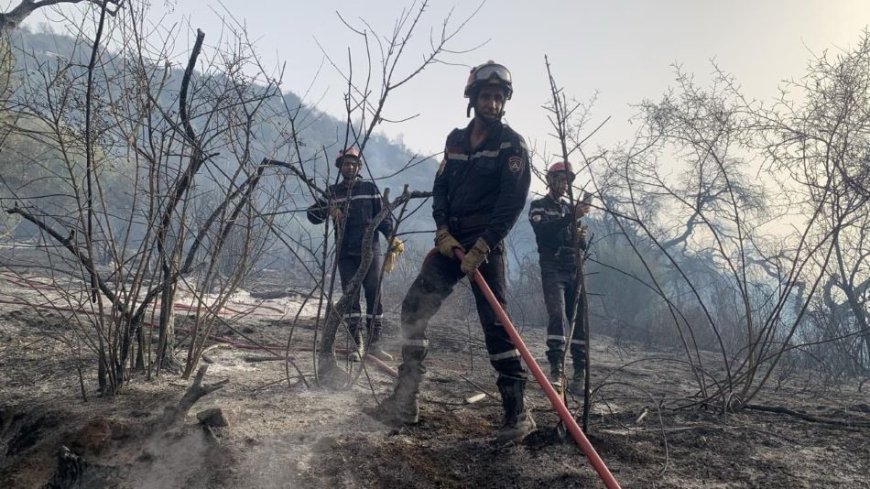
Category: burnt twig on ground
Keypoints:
(808, 417)
(196, 390)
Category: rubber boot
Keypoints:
(401, 406)
(359, 344)
(375, 348)
(518, 422)
(578, 381)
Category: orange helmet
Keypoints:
(489, 73)
(351, 151)
(560, 167)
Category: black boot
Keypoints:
(518, 422)
(578, 381)
(401, 406)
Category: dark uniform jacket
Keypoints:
(360, 201)
(481, 191)
(552, 222)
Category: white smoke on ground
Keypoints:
(176, 458)
(284, 452)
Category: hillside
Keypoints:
(40, 54)
(384, 156)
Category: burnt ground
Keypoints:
(282, 434)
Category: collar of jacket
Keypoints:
(559, 201)
(494, 133)
(348, 183)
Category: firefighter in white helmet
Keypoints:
(479, 192)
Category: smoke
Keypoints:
(286, 451)
(177, 458)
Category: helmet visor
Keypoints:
(488, 72)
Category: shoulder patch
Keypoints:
(515, 163)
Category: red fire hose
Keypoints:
(552, 395)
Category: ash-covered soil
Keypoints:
(284, 434)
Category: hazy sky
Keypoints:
(621, 49)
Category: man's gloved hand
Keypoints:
(445, 242)
(475, 256)
(397, 247)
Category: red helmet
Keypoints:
(560, 167)
(489, 73)
(352, 151)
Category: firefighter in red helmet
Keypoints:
(352, 204)
(552, 219)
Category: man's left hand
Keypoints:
(397, 247)
(475, 256)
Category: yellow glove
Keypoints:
(445, 242)
(475, 256)
(397, 247)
